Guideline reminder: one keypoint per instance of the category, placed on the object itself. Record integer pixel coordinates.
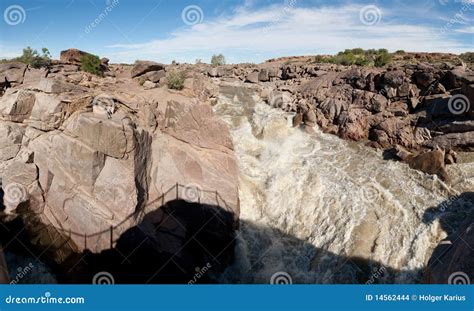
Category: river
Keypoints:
(317, 209)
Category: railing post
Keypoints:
(177, 191)
(111, 237)
(85, 241)
(217, 198)
(163, 199)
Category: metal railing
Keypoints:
(111, 231)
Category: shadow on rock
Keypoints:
(452, 261)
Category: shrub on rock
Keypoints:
(34, 59)
(218, 60)
(383, 58)
(175, 79)
(91, 63)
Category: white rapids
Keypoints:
(317, 209)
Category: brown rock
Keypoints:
(17, 106)
(72, 56)
(252, 77)
(154, 76)
(142, 67)
(431, 162)
(263, 75)
(309, 118)
(12, 72)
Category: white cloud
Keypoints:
(251, 34)
(466, 30)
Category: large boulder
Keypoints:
(19, 183)
(154, 76)
(56, 85)
(17, 105)
(48, 112)
(196, 151)
(12, 72)
(430, 162)
(72, 56)
(141, 67)
(11, 136)
(93, 176)
(253, 77)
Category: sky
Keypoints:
(242, 30)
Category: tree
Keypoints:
(218, 60)
(34, 59)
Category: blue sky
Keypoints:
(243, 30)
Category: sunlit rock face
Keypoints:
(85, 160)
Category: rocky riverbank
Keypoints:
(98, 164)
(121, 168)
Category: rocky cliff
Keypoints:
(102, 167)
(84, 159)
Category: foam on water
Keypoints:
(322, 209)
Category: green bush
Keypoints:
(218, 60)
(34, 59)
(356, 51)
(91, 63)
(175, 80)
(382, 58)
(359, 57)
(362, 61)
(400, 52)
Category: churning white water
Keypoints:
(317, 209)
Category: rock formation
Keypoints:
(84, 159)
(93, 163)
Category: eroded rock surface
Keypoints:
(85, 159)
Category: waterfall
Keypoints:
(323, 210)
